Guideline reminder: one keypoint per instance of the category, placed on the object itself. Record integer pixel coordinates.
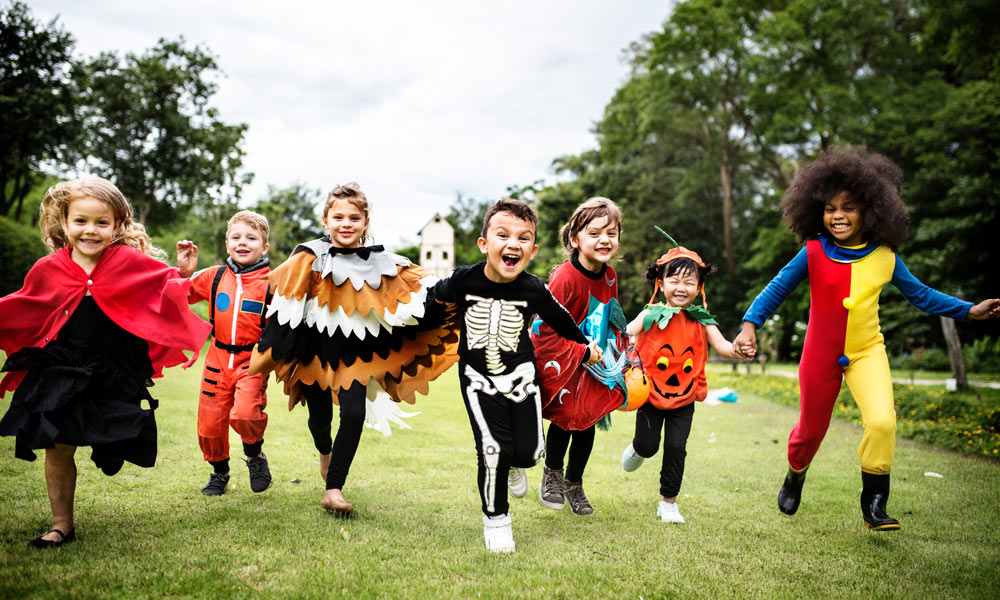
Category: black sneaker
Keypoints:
(260, 475)
(216, 485)
(577, 500)
(550, 492)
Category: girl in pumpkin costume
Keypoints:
(672, 341)
(350, 325)
(846, 207)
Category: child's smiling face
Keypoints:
(596, 243)
(90, 228)
(509, 246)
(245, 245)
(842, 220)
(680, 288)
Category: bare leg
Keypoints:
(60, 482)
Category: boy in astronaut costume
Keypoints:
(238, 295)
(496, 301)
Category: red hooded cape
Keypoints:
(142, 295)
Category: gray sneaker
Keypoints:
(578, 502)
(550, 492)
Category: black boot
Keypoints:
(791, 491)
(874, 496)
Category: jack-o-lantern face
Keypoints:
(671, 376)
(674, 360)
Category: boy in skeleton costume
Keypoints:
(496, 301)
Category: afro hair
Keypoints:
(870, 178)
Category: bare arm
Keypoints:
(634, 328)
(720, 344)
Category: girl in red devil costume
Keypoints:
(846, 206)
(576, 397)
(672, 340)
(95, 320)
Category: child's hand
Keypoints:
(595, 354)
(987, 309)
(187, 257)
(746, 342)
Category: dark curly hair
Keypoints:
(518, 209)
(870, 178)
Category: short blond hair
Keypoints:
(256, 221)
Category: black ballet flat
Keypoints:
(38, 542)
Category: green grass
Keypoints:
(418, 531)
(897, 373)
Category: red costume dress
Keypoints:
(230, 395)
(79, 365)
(573, 397)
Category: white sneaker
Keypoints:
(668, 513)
(630, 460)
(499, 534)
(517, 482)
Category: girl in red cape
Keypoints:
(576, 397)
(94, 322)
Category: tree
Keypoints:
(37, 101)
(148, 127)
(292, 214)
(466, 216)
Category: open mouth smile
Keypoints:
(510, 260)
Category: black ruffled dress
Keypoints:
(85, 389)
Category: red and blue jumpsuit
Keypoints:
(844, 341)
(230, 396)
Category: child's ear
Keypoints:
(534, 251)
(482, 245)
(266, 248)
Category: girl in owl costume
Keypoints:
(349, 325)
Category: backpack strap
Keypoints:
(215, 288)
(267, 302)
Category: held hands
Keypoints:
(595, 354)
(187, 257)
(746, 342)
(987, 309)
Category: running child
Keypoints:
(349, 324)
(846, 207)
(575, 398)
(496, 302)
(672, 340)
(95, 320)
(230, 396)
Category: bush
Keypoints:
(982, 355)
(20, 247)
(967, 422)
(925, 359)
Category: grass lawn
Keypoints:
(418, 533)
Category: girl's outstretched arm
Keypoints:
(987, 309)
(720, 344)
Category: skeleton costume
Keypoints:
(351, 325)
(497, 370)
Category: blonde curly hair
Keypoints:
(55, 209)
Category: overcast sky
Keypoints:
(416, 101)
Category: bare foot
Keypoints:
(324, 464)
(334, 502)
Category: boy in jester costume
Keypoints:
(846, 205)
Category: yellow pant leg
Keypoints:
(870, 382)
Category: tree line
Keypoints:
(724, 101)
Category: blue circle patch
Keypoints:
(844, 361)
(222, 302)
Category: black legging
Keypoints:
(558, 439)
(676, 425)
(352, 423)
